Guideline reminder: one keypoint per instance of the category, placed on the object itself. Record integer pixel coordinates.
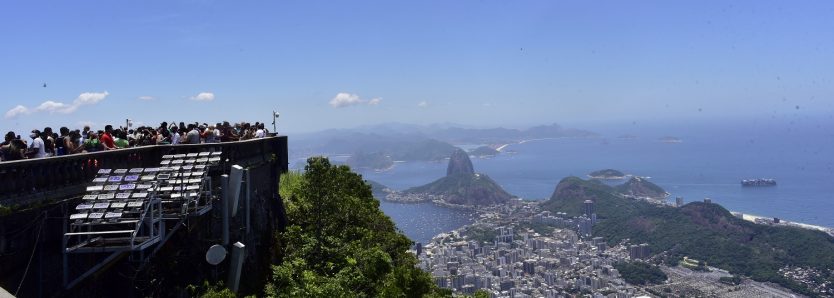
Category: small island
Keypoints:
(607, 174)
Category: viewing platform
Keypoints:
(85, 213)
(34, 180)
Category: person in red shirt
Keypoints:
(107, 138)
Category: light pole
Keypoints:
(274, 120)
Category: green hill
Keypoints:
(465, 189)
(571, 192)
(640, 187)
(701, 231)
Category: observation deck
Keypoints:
(84, 213)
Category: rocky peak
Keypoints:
(459, 163)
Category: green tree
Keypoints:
(639, 273)
(338, 243)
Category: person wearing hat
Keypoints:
(37, 149)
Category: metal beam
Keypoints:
(110, 259)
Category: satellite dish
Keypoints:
(215, 254)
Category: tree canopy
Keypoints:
(338, 243)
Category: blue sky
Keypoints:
(327, 64)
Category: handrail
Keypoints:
(28, 181)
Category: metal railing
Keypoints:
(30, 181)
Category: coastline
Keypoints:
(504, 146)
(439, 200)
(764, 220)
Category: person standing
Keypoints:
(211, 135)
(60, 142)
(193, 136)
(228, 134)
(72, 143)
(92, 144)
(85, 134)
(121, 139)
(175, 136)
(37, 149)
(48, 141)
(260, 133)
(164, 137)
(107, 138)
(12, 148)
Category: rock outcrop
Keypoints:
(459, 163)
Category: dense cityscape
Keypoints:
(504, 254)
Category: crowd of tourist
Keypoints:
(47, 143)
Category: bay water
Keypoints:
(709, 162)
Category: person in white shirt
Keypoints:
(260, 133)
(175, 137)
(37, 149)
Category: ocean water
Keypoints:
(422, 221)
(709, 162)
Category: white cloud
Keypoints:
(88, 98)
(203, 96)
(51, 106)
(423, 104)
(54, 106)
(344, 99)
(17, 111)
(146, 97)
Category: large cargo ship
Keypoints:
(758, 182)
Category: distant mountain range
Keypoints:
(379, 145)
